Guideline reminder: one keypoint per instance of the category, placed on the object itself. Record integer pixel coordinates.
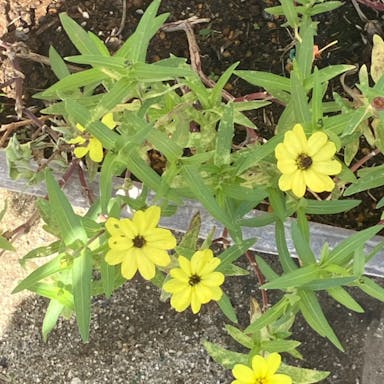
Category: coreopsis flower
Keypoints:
(262, 371)
(196, 282)
(137, 243)
(87, 143)
(306, 162)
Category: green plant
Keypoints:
(165, 107)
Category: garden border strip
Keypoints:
(180, 221)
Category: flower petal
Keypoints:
(160, 238)
(213, 279)
(179, 274)
(185, 265)
(316, 143)
(181, 300)
(129, 229)
(330, 167)
(80, 152)
(199, 260)
(156, 256)
(298, 184)
(295, 141)
(114, 257)
(174, 286)
(273, 361)
(129, 267)
(216, 293)
(119, 243)
(195, 302)
(95, 150)
(244, 374)
(280, 379)
(202, 293)
(326, 152)
(112, 225)
(282, 153)
(259, 366)
(146, 267)
(287, 166)
(285, 182)
(318, 182)
(108, 120)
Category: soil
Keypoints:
(135, 338)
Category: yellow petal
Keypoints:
(285, 182)
(287, 166)
(282, 153)
(199, 260)
(120, 243)
(114, 257)
(213, 279)
(146, 267)
(179, 274)
(280, 379)
(259, 366)
(112, 225)
(216, 293)
(298, 184)
(331, 167)
(295, 141)
(160, 238)
(316, 143)
(80, 127)
(181, 300)
(95, 150)
(203, 294)
(77, 140)
(185, 265)
(195, 302)
(326, 152)
(80, 151)
(128, 228)
(152, 216)
(273, 361)
(108, 120)
(157, 256)
(174, 286)
(318, 182)
(129, 267)
(244, 374)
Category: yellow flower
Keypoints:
(138, 244)
(305, 162)
(262, 371)
(88, 143)
(195, 282)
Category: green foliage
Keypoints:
(165, 109)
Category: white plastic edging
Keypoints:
(265, 236)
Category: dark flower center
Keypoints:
(139, 241)
(194, 279)
(303, 161)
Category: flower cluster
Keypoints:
(196, 282)
(263, 371)
(137, 243)
(87, 143)
(306, 163)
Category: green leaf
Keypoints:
(371, 288)
(108, 274)
(329, 207)
(82, 283)
(135, 47)
(190, 238)
(111, 62)
(239, 336)
(344, 298)
(279, 345)
(227, 308)
(58, 65)
(299, 99)
(216, 93)
(78, 36)
(268, 317)
(225, 133)
(327, 73)
(357, 117)
(71, 228)
(5, 244)
(314, 316)
(342, 252)
(43, 251)
(154, 72)
(265, 79)
(317, 98)
(281, 243)
(266, 269)
(302, 245)
(368, 180)
(303, 375)
(289, 10)
(54, 292)
(294, 279)
(223, 356)
(52, 314)
(325, 283)
(304, 49)
(232, 253)
(205, 196)
(72, 83)
(48, 269)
